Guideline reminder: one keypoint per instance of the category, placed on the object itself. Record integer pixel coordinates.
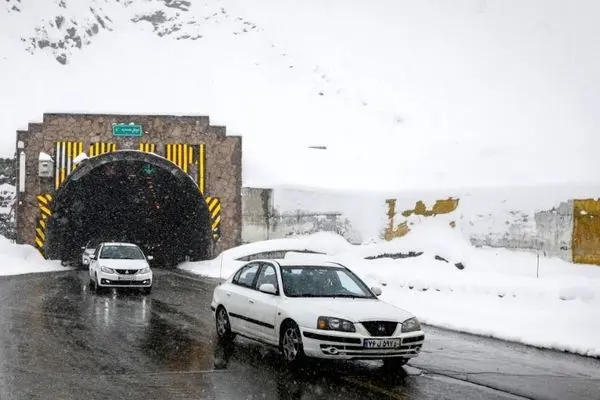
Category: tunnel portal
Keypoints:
(130, 196)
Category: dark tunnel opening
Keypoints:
(130, 196)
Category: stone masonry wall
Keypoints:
(223, 158)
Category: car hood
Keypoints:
(124, 264)
(352, 309)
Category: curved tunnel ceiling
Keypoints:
(132, 196)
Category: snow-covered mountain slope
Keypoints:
(403, 93)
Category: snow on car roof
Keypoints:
(120, 244)
(305, 263)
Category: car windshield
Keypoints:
(322, 281)
(122, 253)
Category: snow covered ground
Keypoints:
(497, 293)
(17, 259)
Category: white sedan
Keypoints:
(120, 265)
(320, 310)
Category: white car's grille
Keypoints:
(126, 271)
(380, 328)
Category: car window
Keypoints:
(267, 275)
(122, 253)
(246, 276)
(347, 283)
(322, 281)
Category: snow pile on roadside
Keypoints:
(16, 259)
(229, 260)
(498, 292)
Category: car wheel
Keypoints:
(147, 290)
(291, 344)
(96, 285)
(223, 326)
(394, 363)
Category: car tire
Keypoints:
(290, 344)
(394, 363)
(97, 287)
(223, 326)
(147, 290)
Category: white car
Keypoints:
(120, 265)
(314, 309)
(88, 250)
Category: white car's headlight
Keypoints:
(335, 324)
(107, 270)
(144, 270)
(411, 325)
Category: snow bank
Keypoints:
(228, 261)
(16, 259)
(436, 274)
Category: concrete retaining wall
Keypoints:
(538, 219)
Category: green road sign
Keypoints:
(127, 130)
(148, 169)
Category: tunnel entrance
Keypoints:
(130, 196)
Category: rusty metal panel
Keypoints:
(586, 231)
(393, 230)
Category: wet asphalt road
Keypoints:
(58, 340)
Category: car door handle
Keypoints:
(228, 294)
(251, 301)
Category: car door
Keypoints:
(263, 307)
(239, 294)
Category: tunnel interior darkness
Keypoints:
(130, 197)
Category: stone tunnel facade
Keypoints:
(211, 158)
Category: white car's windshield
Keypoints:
(122, 253)
(322, 281)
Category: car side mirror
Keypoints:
(92, 256)
(268, 288)
(376, 290)
(150, 258)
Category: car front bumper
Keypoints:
(120, 280)
(346, 346)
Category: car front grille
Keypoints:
(380, 328)
(126, 271)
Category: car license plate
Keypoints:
(382, 343)
(126, 278)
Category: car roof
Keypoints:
(302, 263)
(120, 244)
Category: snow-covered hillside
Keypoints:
(404, 94)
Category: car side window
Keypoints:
(267, 275)
(246, 276)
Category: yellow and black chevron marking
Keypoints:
(64, 153)
(100, 148)
(44, 201)
(148, 147)
(214, 208)
(183, 155)
(202, 168)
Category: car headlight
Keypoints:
(335, 324)
(411, 325)
(144, 270)
(107, 270)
